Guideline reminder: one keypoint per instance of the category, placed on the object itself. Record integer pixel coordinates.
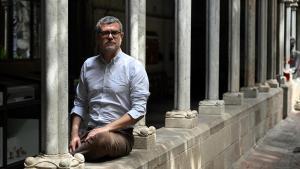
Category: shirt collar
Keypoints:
(113, 60)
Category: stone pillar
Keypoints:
(272, 43)
(212, 104)
(298, 30)
(133, 27)
(234, 97)
(250, 90)
(144, 137)
(5, 4)
(294, 7)
(182, 116)
(287, 37)
(262, 42)
(136, 32)
(281, 31)
(55, 90)
(142, 32)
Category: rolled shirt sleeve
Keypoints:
(139, 91)
(80, 101)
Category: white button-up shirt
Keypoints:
(106, 91)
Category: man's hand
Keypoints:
(75, 139)
(95, 131)
(74, 143)
(120, 123)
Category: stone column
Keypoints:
(134, 39)
(5, 5)
(250, 90)
(144, 137)
(281, 31)
(272, 43)
(133, 27)
(298, 30)
(294, 7)
(287, 37)
(212, 104)
(142, 32)
(234, 97)
(182, 116)
(55, 90)
(262, 45)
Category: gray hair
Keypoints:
(108, 20)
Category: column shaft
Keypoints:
(136, 28)
(137, 32)
(287, 37)
(182, 54)
(298, 30)
(5, 5)
(234, 45)
(142, 31)
(281, 39)
(272, 39)
(182, 116)
(262, 40)
(293, 23)
(250, 42)
(133, 30)
(56, 76)
(63, 92)
(212, 49)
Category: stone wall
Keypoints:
(216, 143)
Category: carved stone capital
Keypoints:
(182, 114)
(144, 131)
(212, 107)
(144, 137)
(65, 161)
(250, 91)
(181, 119)
(233, 98)
(211, 103)
(263, 87)
(273, 83)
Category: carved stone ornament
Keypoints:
(65, 161)
(144, 131)
(211, 102)
(182, 114)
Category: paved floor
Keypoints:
(275, 150)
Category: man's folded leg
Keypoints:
(108, 144)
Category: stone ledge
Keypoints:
(175, 147)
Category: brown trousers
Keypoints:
(110, 144)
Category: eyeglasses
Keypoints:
(106, 34)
